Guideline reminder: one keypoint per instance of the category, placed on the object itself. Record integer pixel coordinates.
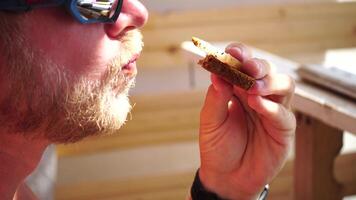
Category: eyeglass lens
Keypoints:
(97, 9)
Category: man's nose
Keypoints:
(133, 15)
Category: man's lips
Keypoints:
(130, 69)
(130, 62)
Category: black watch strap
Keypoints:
(198, 192)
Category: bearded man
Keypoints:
(66, 67)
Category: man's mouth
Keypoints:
(130, 68)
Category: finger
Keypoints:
(275, 114)
(215, 108)
(236, 108)
(279, 99)
(242, 96)
(257, 68)
(239, 51)
(220, 84)
(273, 84)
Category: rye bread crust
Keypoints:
(227, 72)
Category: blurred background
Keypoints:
(155, 156)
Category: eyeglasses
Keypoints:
(85, 11)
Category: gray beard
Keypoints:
(44, 100)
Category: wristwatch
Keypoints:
(198, 192)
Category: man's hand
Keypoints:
(245, 136)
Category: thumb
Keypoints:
(215, 109)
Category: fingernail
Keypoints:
(240, 51)
(236, 51)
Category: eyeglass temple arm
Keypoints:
(26, 5)
(13, 5)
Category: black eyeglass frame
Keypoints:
(71, 5)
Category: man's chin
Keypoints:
(103, 118)
(117, 111)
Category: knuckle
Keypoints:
(264, 66)
(285, 81)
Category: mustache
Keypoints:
(131, 45)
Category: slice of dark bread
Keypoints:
(230, 74)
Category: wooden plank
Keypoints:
(166, 187)
(305, 50)
(326, 106)
(164, 194)
(158, 81)
(286, 12)
(317, 146)
(168, 6)
(133, 163)
(331, 78)
(130, 140)
(174, 186)
(161, 58)
(128, 188)
(286, 20)
(304, 46)
(281, 29)
(250, 31)
(327, 27)
(345, 173)
(282, 186)
(172, 100)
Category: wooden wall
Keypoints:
(287, 30)
(174, 5)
